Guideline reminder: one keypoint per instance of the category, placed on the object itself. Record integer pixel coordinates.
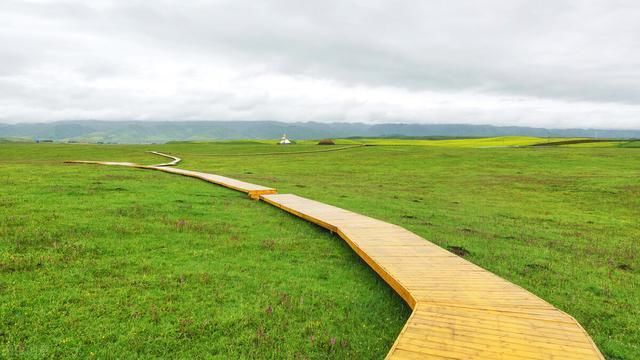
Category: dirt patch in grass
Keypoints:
(269, 244)
(459, 250)
(624, 267)
(535, 267)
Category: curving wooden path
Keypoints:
(174, 159)
(254, 191)
(460, 311)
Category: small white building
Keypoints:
(284, 140)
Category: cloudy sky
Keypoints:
(548, 63)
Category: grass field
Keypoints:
(492, 142)
(123, 262)
(502, 141)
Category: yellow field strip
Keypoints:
(460, 311)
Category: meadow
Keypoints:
(115, 262)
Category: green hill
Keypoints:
(163, 131)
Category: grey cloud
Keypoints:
(554, 49)
(566, 52)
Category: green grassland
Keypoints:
(12, 140)
(630, 144)
(441, 142)
(606, 144)
(501, 141)
(119, 263)
(598, 144)
(123, 262)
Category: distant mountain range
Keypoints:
(163, 131)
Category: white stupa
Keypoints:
(284, 140)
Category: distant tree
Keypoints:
(326, 142)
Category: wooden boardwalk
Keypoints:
(174, 159)
(254, 191)
(460, 311)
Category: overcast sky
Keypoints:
(537, 63)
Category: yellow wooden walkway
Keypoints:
(254, 191)
(174, 159)
(460, 311)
